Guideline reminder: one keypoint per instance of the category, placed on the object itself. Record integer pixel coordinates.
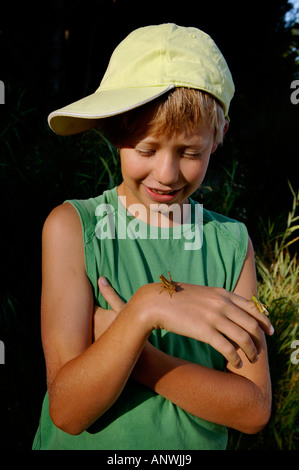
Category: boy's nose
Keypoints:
(166, 171)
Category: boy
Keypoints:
(131, 365)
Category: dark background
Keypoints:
(53, 53)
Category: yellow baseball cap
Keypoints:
(149, 62)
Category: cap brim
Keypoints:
(83, 114)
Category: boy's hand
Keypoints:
(224, 320)
(103, 318)
(215, 316)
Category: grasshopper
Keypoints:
(168, 284)
(262, 308)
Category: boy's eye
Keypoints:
(144, 152)
(184, 153)
(191, 154)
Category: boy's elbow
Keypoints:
(65, 425)
(254, 428)
(257, 420)
(69, 428)
(262, 422)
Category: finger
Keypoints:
(226, 348)
(241, 338)
(109, 294)
(247, 325)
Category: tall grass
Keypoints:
(278, 287)
(278, 275)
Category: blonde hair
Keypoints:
(169, 114)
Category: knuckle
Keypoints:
(229, 350)
(220, 300)
(221, 294)
(255, 328)
(247, 345)
(219, 290)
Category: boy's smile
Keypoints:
(165, 169)
(160, 195)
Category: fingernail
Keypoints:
(104, 281)
(272, 330)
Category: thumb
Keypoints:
(109, 294)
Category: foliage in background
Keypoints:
(278, 271)
(55, 52)
(38, 171)
(278, 275)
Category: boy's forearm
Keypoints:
(220, 397)
(89, 384)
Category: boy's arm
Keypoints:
(238, 398)
(84, 379)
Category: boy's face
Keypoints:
(165, 170)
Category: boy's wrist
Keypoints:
(144, 308)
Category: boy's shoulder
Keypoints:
(217, 218)
(225, 226)
(90, 205)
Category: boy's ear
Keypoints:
(214, 147)
(226, 125)
(225, 129)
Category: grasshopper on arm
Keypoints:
(169, 285)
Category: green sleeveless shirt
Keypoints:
(131, 253)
